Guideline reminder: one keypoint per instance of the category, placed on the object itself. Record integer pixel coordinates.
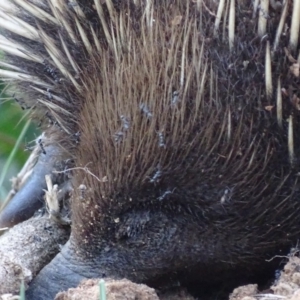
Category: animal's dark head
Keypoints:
(179, 115)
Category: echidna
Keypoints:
(178, 120)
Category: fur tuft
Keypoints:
(186, 108)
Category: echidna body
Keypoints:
(180, 117)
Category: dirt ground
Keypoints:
(286, 287)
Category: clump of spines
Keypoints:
(209, 90)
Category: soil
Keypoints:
(286, 287)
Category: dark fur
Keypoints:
(185, 163)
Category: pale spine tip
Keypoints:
(295, 24)
(21, 76)
(84, 37)
(18, 26)
(100, 12)
(8, 7)
(263, 17)
(291, 140)
(77, 9)
(279, 103)
(281, 25)
(255, 8)
(268, 72)
(219, 16)
(17, 50)
(36, 11)
(231, 24)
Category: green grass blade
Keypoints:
(102, 290)
(22, 291)
(13, 153)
